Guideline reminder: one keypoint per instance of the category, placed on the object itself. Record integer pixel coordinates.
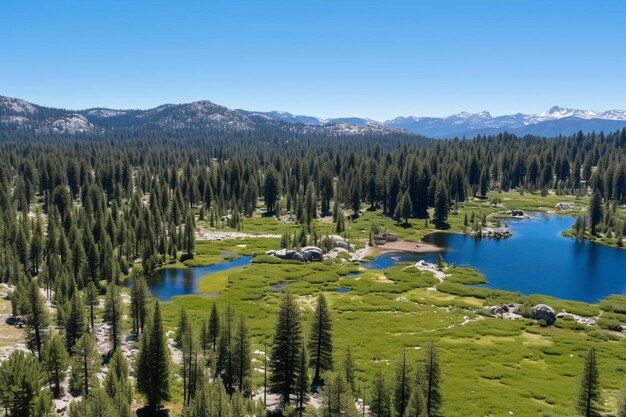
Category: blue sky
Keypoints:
(326, 58)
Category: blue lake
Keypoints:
(537, 259)
(171, 282)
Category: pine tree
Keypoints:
(37, 318)
(242, 358)
(432, 380)
(589, 394)
(75, 324)
(21, 383)
(355, 198)
(91, 299)
(341, 221)
(381, 403)
(211, 400)
(349, 368)
(79, 259)
(139, 298)
(85, 364)
(442, 205)
(225, 361)
(303, 381)
(484, 182)
(402, 385)
(42, 405)
(271, 189)
(183, 324)
(404, 208)
(55, 362)
(98, 404)
(595, 211)
(153, 362)
(337, 398)
(286, 348)
(320, 340)
(416, 406)
(113, 313)
(117, 384)
(214, 327)
(189, 350)
(190, 238)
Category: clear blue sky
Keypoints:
(376, 59)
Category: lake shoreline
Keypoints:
(404, 246)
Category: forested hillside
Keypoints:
(80, 214)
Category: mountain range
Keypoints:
(18, 114)
(556, 121)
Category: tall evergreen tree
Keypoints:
(190, 369)
(284, 362)
(349, 369)
(75, 324)
(432, 380)
(242, 358)
(183, 325)
(117, 385)
(214, 326)
(85, 365)
(303, 381)
(595, 211)
(442, 205)
(113, 313)
(271, 189)
(381, 401)
(321, 340)
(98, 404)
(225, 366)
(416, 406)
(153, 363)
(337, 398)
(21, 383)
(402, 385)
(37, 318)
(190, 238)
(91, 299)
(55, 362)
(139, 298)
(589, 391)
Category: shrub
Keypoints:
(610, 324)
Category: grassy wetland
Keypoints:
(515, 366)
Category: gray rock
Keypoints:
(311, 249)
(499, 310)
(308, 254)
(564, 206)
(342, 244)
(544, 312)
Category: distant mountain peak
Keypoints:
(16, 106)
(16, 114)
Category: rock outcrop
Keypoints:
(306, 254)
(506, 311)
(564, 206)
(544, 312)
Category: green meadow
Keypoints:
(491, 366)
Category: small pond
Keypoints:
(171, 282)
